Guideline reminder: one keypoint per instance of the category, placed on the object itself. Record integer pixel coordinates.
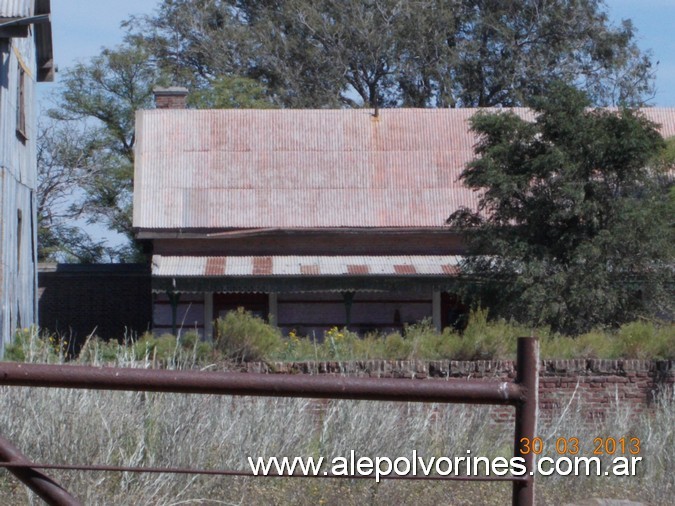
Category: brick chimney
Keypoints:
(174, 97)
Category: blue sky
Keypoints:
(82, 27)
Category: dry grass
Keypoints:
(134, 429)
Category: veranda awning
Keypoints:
(302, 273)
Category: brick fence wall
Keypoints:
(595, 386)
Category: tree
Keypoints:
(231, 93)
(573, 227)
(104, 94)
(61, 163)
(423, 53)
(87, 154)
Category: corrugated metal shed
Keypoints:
(18, 173)
(16, 8)
(312, 266)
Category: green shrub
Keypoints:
(34, 345)
(162, 348)
(644, 340)
(423, 339)
(486, 340)
(192, 344)
(296, 348)
(636, 340)
(396, 347)
(244, 337)
(595, 344)
(16, 350)
(96, 350)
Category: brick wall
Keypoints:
(595, 386)
(108, 299)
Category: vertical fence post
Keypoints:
(527, 363)
(47, 489)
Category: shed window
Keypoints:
(19, 235)
(21, 106)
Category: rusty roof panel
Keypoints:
(254, 266)
(306, 168)
(357, 269)
(215, 266)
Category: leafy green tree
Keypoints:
(420, 53)
(105, 93)
(87, 151)
(231, 93)
(573, 227)
(62, 160)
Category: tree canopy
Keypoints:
(420, 53)
(88, 148)
(574, 223)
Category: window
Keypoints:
(19, 235)
(21, 106)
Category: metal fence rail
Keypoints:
(523, 394)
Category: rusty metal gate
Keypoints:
(522, 394)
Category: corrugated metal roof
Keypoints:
(300, 168)
(303, 266)
(16, 8)
(306, 168)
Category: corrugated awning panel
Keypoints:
(305, 266)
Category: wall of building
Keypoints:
(314, 313)
(595, 388)
(18, 230)
(110, 300)
(190, 313)
(344, 242)
(308, 313)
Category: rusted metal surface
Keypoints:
(228, 383)
(405, 265)
(49, 491)
(300, 168)
(526, 415)
(306, 168)
(229, 472)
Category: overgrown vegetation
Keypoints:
(243, 337)
(150, 429)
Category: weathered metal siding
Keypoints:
(18, 278)
(16, 8)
